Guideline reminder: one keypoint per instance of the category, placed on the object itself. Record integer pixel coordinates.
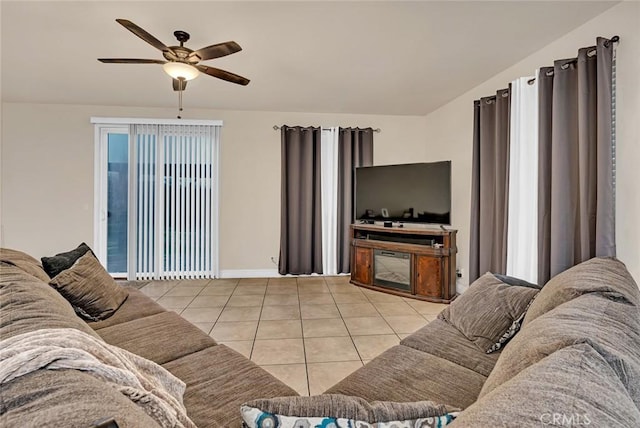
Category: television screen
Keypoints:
(417, 193)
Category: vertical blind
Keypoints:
(174, 201)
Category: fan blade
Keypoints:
(216, 51)
(143, 34)
(176, 84)
(130, 61)
(224, 75)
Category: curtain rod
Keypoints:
(614, 39)
(276, 128)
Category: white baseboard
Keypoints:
(258, 273)
(249, 273)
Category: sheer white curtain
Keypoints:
(522, 230)
(329, 185)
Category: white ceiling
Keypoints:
(384, 57)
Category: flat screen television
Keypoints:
(414, 193)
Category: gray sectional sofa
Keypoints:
(575, 361)
(218, 378)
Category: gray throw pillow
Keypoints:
(55, 264)
(487, 309)
(342, 410)
(90, 288)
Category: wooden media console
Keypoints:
(406, 261)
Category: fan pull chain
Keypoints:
(181, 80)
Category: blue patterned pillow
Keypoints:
(335, 410)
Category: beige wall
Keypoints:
(47, 173)
(47, 158)
(449, 129)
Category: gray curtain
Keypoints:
(489, 196)
(576, 192)
(301, 211)
(355, 148)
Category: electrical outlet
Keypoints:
(459, 272)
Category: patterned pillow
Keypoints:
(336, 410)
(513, 329)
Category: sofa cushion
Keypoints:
(28, 304)
(25, 262)
(441, 339)
(66, 398)
(612, 327)
(572, 387)
(487, 309)
(219, 380)
(89, 287)
(160, 338)
(55, 264)
(341, 410)
(137, 305)
(598, 275)
(405, 374)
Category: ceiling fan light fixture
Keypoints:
(179, 70)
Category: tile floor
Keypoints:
(309, 332)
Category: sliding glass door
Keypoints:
(117, 202)
(112, 199)
(156, 200)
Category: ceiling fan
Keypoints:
(182, 63)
